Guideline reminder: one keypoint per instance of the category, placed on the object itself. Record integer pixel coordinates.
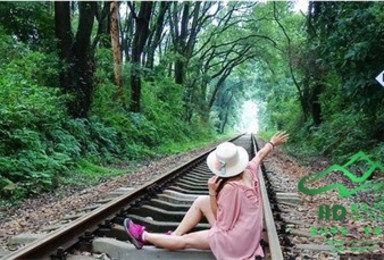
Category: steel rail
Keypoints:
(64, 238)
(273, 240)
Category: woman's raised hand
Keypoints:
(213, 184)
(279, 138)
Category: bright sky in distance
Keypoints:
(301, 5)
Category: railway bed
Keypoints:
(160, 205)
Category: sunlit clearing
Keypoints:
(249, 121)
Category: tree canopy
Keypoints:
(110, 81)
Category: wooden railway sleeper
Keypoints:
(60, 254)
(85, 241)
(120, 216)
(104, 228)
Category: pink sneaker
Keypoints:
(135, 233)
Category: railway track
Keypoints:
(159, 204)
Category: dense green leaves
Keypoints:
(310, 74)
(29, 22)
(337, 51)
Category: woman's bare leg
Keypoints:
(200, 208)
(196, 240)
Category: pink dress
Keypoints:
(238, 229)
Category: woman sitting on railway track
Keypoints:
(233, 208)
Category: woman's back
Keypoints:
(238, 229)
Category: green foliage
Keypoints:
(349, 47)
(350, 63)
(334, 61)
(33, 146)
(312, 76)
(29, 22)
(35, 67)
(40, 142)
(86, 168)
(138, 134)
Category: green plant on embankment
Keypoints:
(42, 146)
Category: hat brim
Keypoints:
(232, 170)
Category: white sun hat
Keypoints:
(228, 160)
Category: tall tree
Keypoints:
(76, 55)
(184, 39)
(156, 33)
(140, 37)
(299, 88)
(103, 16)
(117, 56)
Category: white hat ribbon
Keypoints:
(220, 165)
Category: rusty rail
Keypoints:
(269, 222)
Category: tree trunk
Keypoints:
(187, 50)
(180, 45)
(157, 34)
(65, 40)
(104, 27)
(315, 103)
(226, 106)
(76, 56)
(140, 37)
(187, 102)
(117, 57)
(224, 122)
(126, 39)
(83, 60)
(217, 87)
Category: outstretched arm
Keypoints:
(277, 139)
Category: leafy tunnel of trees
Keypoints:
(109, 81)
